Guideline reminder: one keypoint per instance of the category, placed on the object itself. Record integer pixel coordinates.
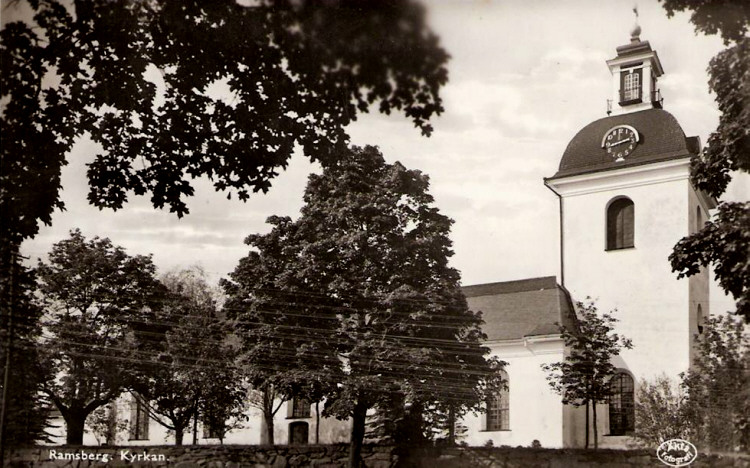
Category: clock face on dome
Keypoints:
(620, 141)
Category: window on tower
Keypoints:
(620, 224)
(621, 404)
(630, 86)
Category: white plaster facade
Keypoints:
(530, 397)
(251, 432)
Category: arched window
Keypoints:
(621, 404)
(620, 224)
(498, 409)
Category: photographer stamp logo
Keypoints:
(676, 452)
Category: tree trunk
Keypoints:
(74, 424)
(358, 434)
(268, 421)
(452, 425)
(195, 429)
(179, 432)
(317, 422)
(596, 432)
(587, 424)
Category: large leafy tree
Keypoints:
(718, 386)
(176, 90)
(189, 370)
(26, 409)
(582, 378)
(724, 242)
(357, 296)
(91, 291)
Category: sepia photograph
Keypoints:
(375, 233)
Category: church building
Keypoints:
(625, 199)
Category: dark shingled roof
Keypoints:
(516, 309)
(661, 139)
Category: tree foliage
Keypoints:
(189, 372)
(26, 408)
(582, 378)
(729, 19)
(92, 292)
(718, 386)
(177, 90)
(357, 296)
(723, 243)
(660, 409)
(728, 150)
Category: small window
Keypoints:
(699, 319)
(300, 408)
(498, 408)
(620, 224)
(138, 419)
(698, 219)
(621, 404)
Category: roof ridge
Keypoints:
(509, 287)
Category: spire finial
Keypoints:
(635, 33)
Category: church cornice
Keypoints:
(616, 179)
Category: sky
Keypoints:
(524, 77)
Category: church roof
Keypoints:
(661, 139)
(515, 309)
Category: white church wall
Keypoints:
(653, 306)
(535, 411)
(332, 430)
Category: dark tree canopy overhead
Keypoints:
(730, 19)
(140, 76)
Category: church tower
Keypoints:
(625, 200)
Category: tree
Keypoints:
(191, 365)
(718, 386)
(660, 411)
(106, 426)
(723, 242)
(582, 378)
(357, 296)
(91, 291)
(26, 411)
(142, 78)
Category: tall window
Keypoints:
(699, 319)
(630, 82)
(621, 404)
(498, 410)
(300, 408)
(138, 419)
(620, 224)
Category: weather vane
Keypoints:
(636, 31)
